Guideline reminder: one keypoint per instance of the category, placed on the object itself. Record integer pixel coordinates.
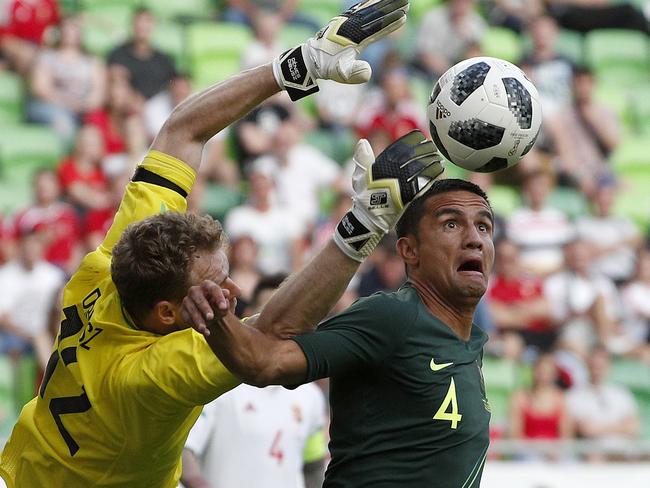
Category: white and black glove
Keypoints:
(332, 53)
(383, 189)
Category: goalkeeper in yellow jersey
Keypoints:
(129, 372)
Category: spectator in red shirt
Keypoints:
(55, 220)
(121, 124)
(81, 177)
(541, 412)
(516, 300)
(24, 23)
(98, 220)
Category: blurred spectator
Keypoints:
(587, 15)
(81, 177)
(246, 11)
(386, 271)
(636, 303)
(303, 171)
(394, 110)
(56, 222)
(121, 126)
(324, 229)
(276, 232)
(254, 134)
(541, 412)
(23, 26)
(243, 268)
(445, 34)
(266, 45)
(539, 230)
(160, 106)
(29, 284)
(66, 82)
(148, 70)
(516, 300)
(585, 306)
(603, 412)
(614, 239)
(513, 14)
(97, 221)
(585, 134)
(252, 437)
(551, 72)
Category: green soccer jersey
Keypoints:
(407, 396)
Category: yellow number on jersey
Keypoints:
(454, 417)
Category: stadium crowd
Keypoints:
(568, 309)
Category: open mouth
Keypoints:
(471, 265)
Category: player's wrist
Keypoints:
(294, 72)
(356, 235)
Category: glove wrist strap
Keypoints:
(292, 74)
(356, 239)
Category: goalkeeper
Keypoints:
(128, 376)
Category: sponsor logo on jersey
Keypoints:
(438, 366)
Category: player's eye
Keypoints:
(450, 224)
(483, 227)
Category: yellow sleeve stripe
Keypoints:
(170, 168)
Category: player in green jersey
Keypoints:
(407, 395)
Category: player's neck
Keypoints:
(457, 316)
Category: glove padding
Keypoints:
(332, 53)
(383, 189)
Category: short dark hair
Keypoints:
(408, 223)
(152, 259)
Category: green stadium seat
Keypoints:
(613, 48)
(11, 97)
(643, 402)
(571, 202)
(29, 145)
(419, 8)
(631, 373)
(633, 152)
(208, 38)
(503, 43)
(172, 9)
(210, 70)
(7, 404)
(219, 199)
(320, 10)
(292, 35)
(338, 148)
(633, 201)
(25, 381)
(504, 199)
(571, 45)
(169, 37)
(619, 100)
(105, 27)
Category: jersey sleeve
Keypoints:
(363, 335)
(160, 183)
(202, 431)
(178, 370)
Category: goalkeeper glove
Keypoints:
(332, 54)
(383, 189)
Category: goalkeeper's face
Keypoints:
(207, 266)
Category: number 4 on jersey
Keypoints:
(450, 399)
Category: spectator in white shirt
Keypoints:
(539, 230)
(28, 289)
(259, 437)
(636, 304)
(604, 412)
(274, 229)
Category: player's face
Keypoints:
(214, 266)
(454, 246)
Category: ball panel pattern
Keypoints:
(475, 133)
(519, 102)
(494, 164)
(467, 81)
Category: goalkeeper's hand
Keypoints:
(383, 189)
(332, 53)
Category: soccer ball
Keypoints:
(484, 114)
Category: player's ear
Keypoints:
(408, 250)
(166, 312)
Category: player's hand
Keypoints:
(332, 53)
(204, 303)
(383, 188)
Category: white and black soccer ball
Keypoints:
(484, 114)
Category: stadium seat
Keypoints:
(572, 202)
(208, 38)
(420, 8)
(210, 70)
(633, 152)
(292, 35)
(633, 201)
(618, 56)
(169, 37)
(504, 199)
(503, 43)
(105, 27)
(11, 97)
(7, 404)
(175, 9)
(28, 145)
(632, 373)
(218, 199)
(320, 10)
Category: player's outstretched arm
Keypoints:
(330, 55)
(264, 354)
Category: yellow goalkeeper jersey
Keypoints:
(116, 403)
